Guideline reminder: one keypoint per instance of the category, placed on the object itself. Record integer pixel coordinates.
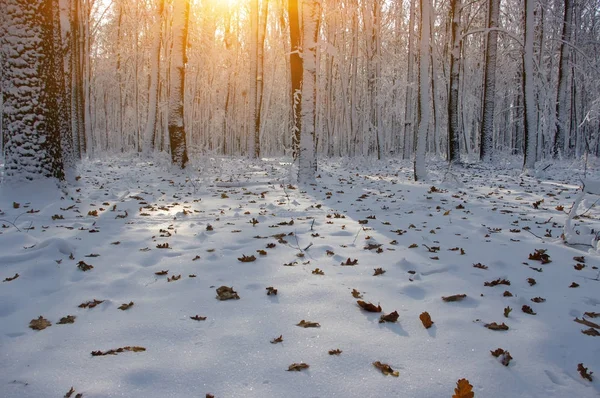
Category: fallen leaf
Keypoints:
(83, 266)
(66, 319)
(538, 299)
(386, 369)
(591, 332)
(463, 389)
(507, 311)
(497, 282)
(573, 285)
(337, 351)
(507, 294)
(318, 271)
(163, 272)
(579, 259)
(271, 291)
(495, 326)
(391, 317)
(350, 262)
(426, 320)
(262, 252)
(163, 246)
(277, 340)
(456, 297)
(356, 294)
(174, 278)
(90, 304)
(527, 309)
(540, 255)
(480, 266)
(308, 324)
(126, 306)
(298, 367)
(247, 259)
(531, 281)
(227, 293)
(118, 351)
(592, 314)
(39, 324)
(11, 278)
(379, 271)
(368, 306)
(584, 372)
(198, 318)
(587, 323)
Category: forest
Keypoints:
(462, 80)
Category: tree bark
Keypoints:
(489, 87)
(296, 76)
(420, 170)
(529, 106)
(454, 84)
(563, 92)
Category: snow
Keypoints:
(230, 354)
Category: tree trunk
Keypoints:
(455, 56)
(529, 106)
(489, 87)
(177, 139)
(296, 71)
(307, 160)
(562, 108)
(150, 130)
(31, 120)
(409, 116)
(420, 170)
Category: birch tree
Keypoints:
(453, 90)
(31, 121)
(177, 138)
(307, 160)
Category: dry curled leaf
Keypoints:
(350, 262)
(592, 314)
(585, 322)
(507, 311)
(506, 357)
(579, 259)
(531, 281)
(227, 293)
(574, 285)
(337, 351)
(83, 266)
(247, 259)
(198, 318)
(463, 389)
(271, 291)
(426, 320)
(495, 326)
(118, 351)
(126, 306)
(174, 278)
(368, 306)
(39, 324)
(391, 317)
(379, 271)
(591, 332)
(386, 369)
(541, 256)
(163, 272)
(356, 294)
(298, 366)
(480, 266)
(507, 294)
(308, 324)
(583, 371)
(163, 246)
(499, 281)
(318, 271)
(277, 340)
(66, 319)
(456, 297)
(90, 304)
(11, 278)
(527, 309)
(538, 299)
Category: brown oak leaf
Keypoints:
(368, 306)
(126, 306)
(227, 293)
(337, 351)
(495, 326)
(456, 297)
(463, 389)
(308, 324)
(298, 367)
(277, 340)
(39, 324)
(386, 369)
(426, 320)
(66, 319)
(391, 317)
(583, 371)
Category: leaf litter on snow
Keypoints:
(387, 207)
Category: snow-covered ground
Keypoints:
(121, 210)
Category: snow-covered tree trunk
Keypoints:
(409, 128)
(529, 106)
(252, 79)
(562, 107)
(307, 160)
(453, 124)
(295, 74)
(31, 122)
(420, 169)
(489, 85)
(177, 139)
(260, 71)
(150, 129)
